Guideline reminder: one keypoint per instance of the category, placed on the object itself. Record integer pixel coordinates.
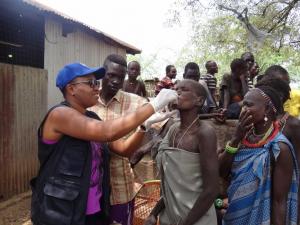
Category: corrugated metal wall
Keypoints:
(76, 46)
(23, 103)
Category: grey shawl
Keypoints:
(181, 184)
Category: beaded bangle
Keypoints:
(229, 149)
(218, 203)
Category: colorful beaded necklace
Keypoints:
(269, 135)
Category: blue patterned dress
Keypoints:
(249, 193)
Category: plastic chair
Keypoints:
(145, 201)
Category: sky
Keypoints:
(140, 23)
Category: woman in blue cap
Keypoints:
(72, 186)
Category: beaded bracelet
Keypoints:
(218, 203)
(229, 149)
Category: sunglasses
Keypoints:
(91, 83)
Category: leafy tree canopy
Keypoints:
(222, 30)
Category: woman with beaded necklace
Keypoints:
(261, 164)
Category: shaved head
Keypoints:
(195, 86)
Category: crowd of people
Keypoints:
(85, 142)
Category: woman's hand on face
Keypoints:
(245, 125)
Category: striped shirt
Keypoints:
(210, 80)
(123, 187)
(250, 82)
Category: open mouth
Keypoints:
(114, 88)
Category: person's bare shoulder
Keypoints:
(206, 130)
(64, 113)
(207, 140)
(293, 122)
(58, 119)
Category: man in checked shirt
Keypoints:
(113, 103)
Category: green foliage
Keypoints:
(223, 37)
(148, 65)
(219, 35)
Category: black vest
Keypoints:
(59, 192)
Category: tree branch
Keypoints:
(282, 35)
(267, 6)
(284, 13)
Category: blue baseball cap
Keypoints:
(70, 71)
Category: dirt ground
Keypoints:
(15, 211)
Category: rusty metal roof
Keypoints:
(130, 49)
